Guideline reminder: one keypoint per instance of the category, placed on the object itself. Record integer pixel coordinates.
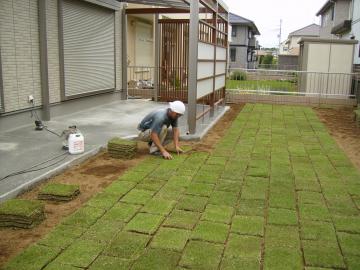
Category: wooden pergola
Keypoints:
(190, 54)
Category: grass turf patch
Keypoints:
(170, 238)
(59, 192)
(157, 259)
(182, 219)
(144, 223)
(248, 225)
(210, 231)
(201, 255)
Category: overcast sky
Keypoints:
(266, 14)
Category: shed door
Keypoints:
(89, 48)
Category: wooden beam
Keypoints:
(156, 10)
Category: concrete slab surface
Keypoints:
(22, 147)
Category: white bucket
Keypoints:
(76, 143)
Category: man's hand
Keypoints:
(179, 150)
(166, 155)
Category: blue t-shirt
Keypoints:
(155, 121)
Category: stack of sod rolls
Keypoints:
(21, 213)
(122, 149)
(59, 192)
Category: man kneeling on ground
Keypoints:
(154, 128)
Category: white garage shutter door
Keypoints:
(89, 48)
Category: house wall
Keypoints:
(355, 31)
(241, 42)
(294, 42)
(20, 53)
(341, 13)
(241, 35)
(241, 57)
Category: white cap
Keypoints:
(177, 106)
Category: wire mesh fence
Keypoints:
(284, 86)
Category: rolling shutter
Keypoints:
(88, 48)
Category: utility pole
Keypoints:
(280, 34)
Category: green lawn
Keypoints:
(273, 85)
(275, 193)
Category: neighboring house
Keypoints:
(243, 43)
(284, 48)
(355, 31)
(291, 45)
(340, 19)
(335, 18)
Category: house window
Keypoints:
(232, 54)
(332, 13)
(233, 31)
(250, 34)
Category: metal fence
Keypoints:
(283, 86)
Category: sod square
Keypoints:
(206, 177)
(322, 254)
(314, 212)
(180, 181)
(119, 188)
(144, 223)
(236, 263)
(218, 213)
(282, 200)
(21, 213)
(235, 175)
(32, 258)
(201, 255)
(192, 203)
(210, 231)
(133, 176)
(308, 184)
(317, 230)
(212, 160)
(254, 190)
(103, 230)
(81, 254)
(84, 217)
(121, 212)
(57, 266)
(258, 172)
(62, 236)
(341, 205)
(199, 189)
(170, 238)
(352, 262)
(229, 186)
(127, 245)
(110, 263)
(282, 236)
(103, 200)
(182, 219)
(349, 243)
(150, 184)
(280, 258)
(243, 246)
(138, 196)
(282, 216)
(248, 225)
(170, 192)
(347, 224)
(223, 198)
(251, 207)
(158, 259)
(59, 191)
(306, 197)
(158, 206)
(215, 169)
